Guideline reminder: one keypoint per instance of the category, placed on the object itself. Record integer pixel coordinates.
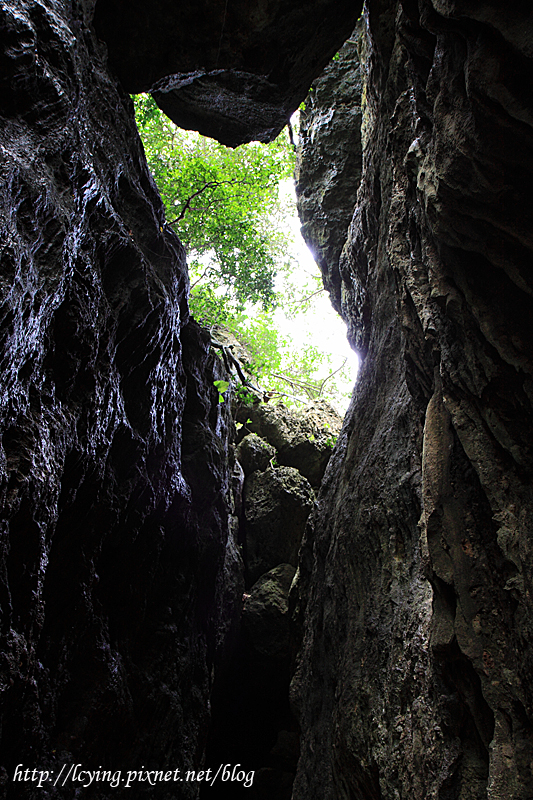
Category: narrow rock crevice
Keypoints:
(252, 720)
(128, 533)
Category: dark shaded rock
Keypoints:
(277, 503)
(118, 572)
(254, 453)
(234, 71)
(230, 588)
(265, 613)
(329, 156)
(275, 424)
(286, 750)
(414, 675)
(237, 487)
(270, 782)
(119, 567)
(311, 446)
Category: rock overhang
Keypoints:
(233, 71)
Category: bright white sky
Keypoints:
(321, 325)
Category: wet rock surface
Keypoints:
(118, 572)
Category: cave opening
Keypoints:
(252, 276)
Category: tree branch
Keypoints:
(208, 185)
(331, 376)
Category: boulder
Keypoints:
(254, 453)
(234, 72)
(265, 614)
(275, 423)
(276, 504)
(303, 439)
(312, 443)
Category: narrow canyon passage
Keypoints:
(132, 638)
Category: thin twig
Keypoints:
(331, 376)
(202, 276)
(305, 299)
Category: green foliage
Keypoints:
(222, 387)
(223, 203)
(272, 367)
(210, 309)
(225, 206)
(245, 396)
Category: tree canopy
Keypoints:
(225, 205)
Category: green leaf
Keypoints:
(225, 207)
(221, 386)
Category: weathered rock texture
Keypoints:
(119, 575)
(302, 439)
(254, 453)
(414, 675)
(251, 718)
(232, 70)
(328, 168)
(265, 612)
(277, 503)
(115, 475)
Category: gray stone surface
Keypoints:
(329, 157)
(254, 453)
(277, 503)
(119, 563)
(414, 675)
(303, 439)
(234, 71)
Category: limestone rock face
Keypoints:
(414, 585)
(302, 439)
(121, 577)
(276, 504)
(118, 568)
(235, 71)
(328, 168)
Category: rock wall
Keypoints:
(236, 70)
(114, 457)
(121, 580)
(414, 586)
(328, 166)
